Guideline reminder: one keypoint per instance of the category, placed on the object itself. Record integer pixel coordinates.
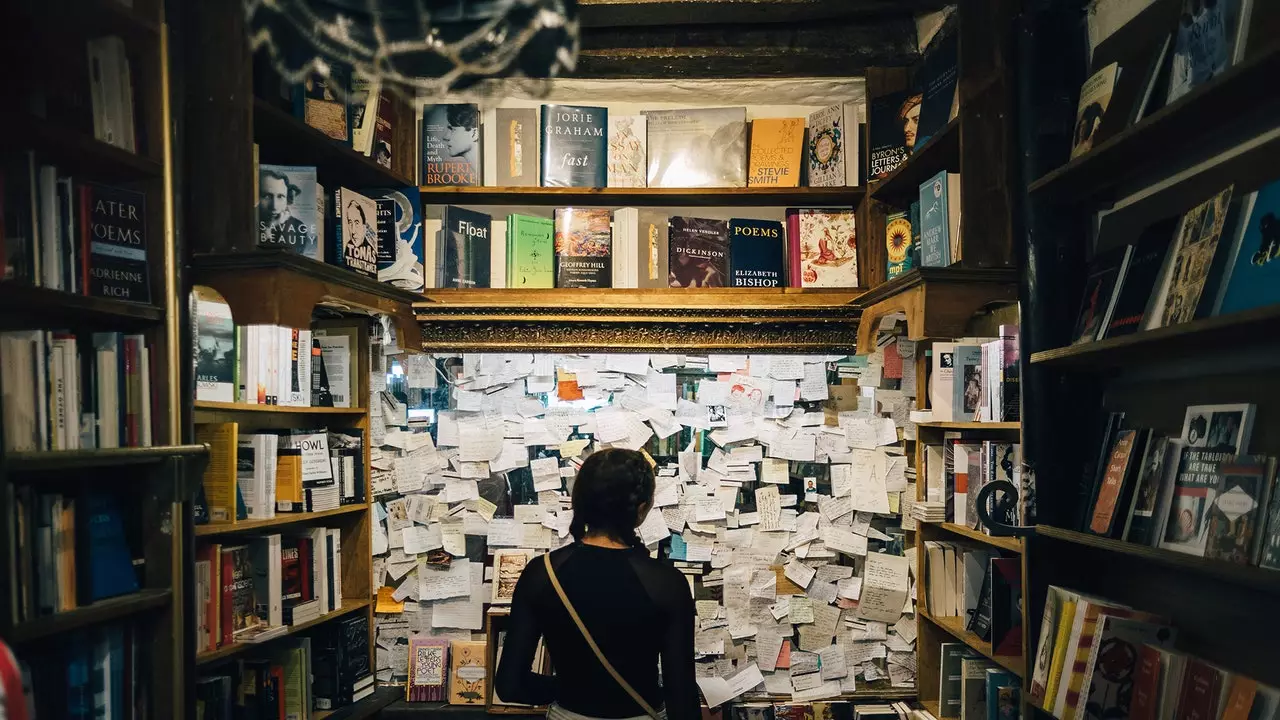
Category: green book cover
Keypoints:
(530, 252)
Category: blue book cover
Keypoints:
(400, 244)
(1254, 267)
(755, 253)
(110, 567)
(288, 209)
(574, 146)
(81, 680)
(935, 241)
(1003, 689)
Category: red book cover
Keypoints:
(228, 583)
(131, 410)
(213, 611)
(290, 572)
(305, 560)
(1201, 687)
(793, 249)
(277, 678)
(1146, 685)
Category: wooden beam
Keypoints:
(838, 49)
(625, 13)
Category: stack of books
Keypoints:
(928, 511)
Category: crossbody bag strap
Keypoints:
(564, 599)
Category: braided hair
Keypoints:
(608, 493)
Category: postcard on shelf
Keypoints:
(517, 140)
(451, 144)
(574, 146)
(697, 148)
(508, 564)
(318, 101)
(627, 151)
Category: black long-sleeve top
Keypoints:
(637, 609)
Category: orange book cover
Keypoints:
(1104, 508)
(1240, 699)
(777, 147)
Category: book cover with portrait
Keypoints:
(287, 209)
(355, 233)
(699, 250)
(451, 145)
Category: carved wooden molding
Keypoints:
(638, 320)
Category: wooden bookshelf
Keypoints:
(286, 140)
(1011, 544)
(279, 521)
(232, 407)
(954, 626)
(76, 152)
(100, 612)
(233, 649)
(1170, 132)
(973, 426)
(366, 708)
(27, 306)
(73, 459)
(941, 152)
(663, 197)
(938, 302)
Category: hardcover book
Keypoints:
(287, 213)
(467, 677)
(355, 233)
(466, 248)
(583, 247)
(1106, 275)
(1238, 509)
(894, 124)
(1134, 294)
(822, 248)
(530, 252)
(697, 148)
(1252, 277)
(937, 80)
(320, 102)
(777, 149)
(699, 252)
(574, 146)
(898, 245)
(1006, 606)
(940, 220)
(107, 570)
(1189, 263)
(517, 147)
(826, 147)
(117, 244)
(400, 247)
(951, 676)
(1095, 96)
(451, 145)
(627, 151)
(756, 253)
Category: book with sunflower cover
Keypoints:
(898, 236)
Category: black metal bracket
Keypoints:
(996, 511)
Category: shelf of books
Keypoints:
(1159, 363)
(957, 628)
(96, 613)
(238, 647)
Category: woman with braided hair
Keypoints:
(608, 612)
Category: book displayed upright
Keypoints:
(401, 258)
(574, 146)
(1133, 292)
(287, 213)
(583, 248)
(940, 220)
(1205, 45)
(825, 149)
(777, 150)
(517, 147)
(893, 124)
(1105, 278)
(937, 80)
(451, 145)
(643, 232)
(699, 252)
(1252, 276)
(530, 252)
(1187, 266)
(898, 236)
(756, 253)
(628, 148)
(822, 248)
(354, 243)
(1095, 97)
(465, 248)
(214, 341)
(704, 147)
(320, 101)
(114, 225)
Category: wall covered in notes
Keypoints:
(779, 496)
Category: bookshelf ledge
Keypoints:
(1012, 544)
(287, 140)
(245, 407)
(279, 520)
(972, 425)
(697, 197)
(25, 307)
(368, 707)
(233, 649)
(99, 612)
(955, 627)
(66, 459)
(941, 152)
(1245, 575)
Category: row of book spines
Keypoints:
(76, 393)
(100, 673)
(288, 683)
(275, 365)
(973, 465)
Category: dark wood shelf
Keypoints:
(1176, 562)
(71, 459)
(280, 520)
(1161, 138)
(284, 139)
(941, 152)
(366, 708)
(97, 613)
(211, 406)
(233, 649)
(955, 627)
(938, 302)
(74, 152)
(614, 197)
(26, 307)
(973, 426)
(1011, 544)
(1191, 339)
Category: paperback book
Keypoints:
(898, 244)
(574, 146)
(1189, 263)
(937, 80)
(400, 243)
(466, 248)
(697, 148)
(777, 148)
(822, 248)
(699, 252)
(894, 124)
(1252, 277)
(652, 242)
(627, 151)
(1095, 96)
(451, 145)
(355, 233)
(517, 147)
(583, 248)
(115, 230)
(940, 220)
(1240, 500)
(287, 212)
(1134, 294)
(1204, 46)
(756, 253)
(826, 147)
(214, 335)
(530, 252)
(1106, 276)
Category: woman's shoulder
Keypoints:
(664, 578)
